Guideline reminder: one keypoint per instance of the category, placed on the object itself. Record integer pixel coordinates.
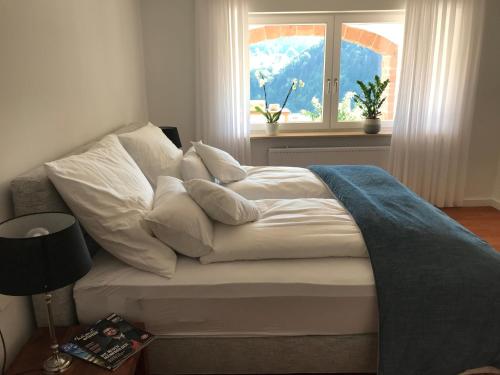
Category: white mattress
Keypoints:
(328, 296)
(280, 183)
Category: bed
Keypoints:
(268, 316)
(337, 346)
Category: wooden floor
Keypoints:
(483, 221)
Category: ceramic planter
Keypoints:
(272, 128)
(372, 125)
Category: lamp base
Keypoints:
(57, 363)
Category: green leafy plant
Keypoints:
(372, 99)
(271, 116)
(316, 113)
(345, 113)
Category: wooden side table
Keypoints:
(29, 361)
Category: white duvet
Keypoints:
(280, 183)
(290, 228)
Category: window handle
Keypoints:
(329, 85)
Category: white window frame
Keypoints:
(375, 17)
(331, 82)
(281, 19)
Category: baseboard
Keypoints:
(482, 202)
(496, 203)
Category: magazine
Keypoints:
(109, 342)
(78, 352)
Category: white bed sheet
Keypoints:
(328, 296)
(280, 182)
(290, 228)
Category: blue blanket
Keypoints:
(438, 285)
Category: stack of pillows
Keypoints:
(128, 194)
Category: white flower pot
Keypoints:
(372, 125)
(272, 128)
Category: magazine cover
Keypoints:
(109, 342)
(78, 352)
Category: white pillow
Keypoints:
(153, 152)
(222, 204)
(178, 221)
(221, 165)
(192, 167)
(110, 196)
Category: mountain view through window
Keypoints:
(293, 51)
(283, 53)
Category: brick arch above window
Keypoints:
(361, 37)
(367, 39)
(269, 32)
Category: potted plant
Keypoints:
(273, 112)
(371, 103)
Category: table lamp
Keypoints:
(38, 254)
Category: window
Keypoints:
(280, 53)
(329, 53)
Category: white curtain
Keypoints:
(222, 78)
(435, 104)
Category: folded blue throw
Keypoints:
(438, 284)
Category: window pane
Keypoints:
(283, 53)
(368, 49)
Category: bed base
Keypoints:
(264, 355)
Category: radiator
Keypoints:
(302, 157)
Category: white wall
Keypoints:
(168, 29)
(484, 150)
(70, 71)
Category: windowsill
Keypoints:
(385, 132)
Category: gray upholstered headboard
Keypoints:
(33, 192)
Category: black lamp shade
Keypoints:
(55, 257)
(173, 134)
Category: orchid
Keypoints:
(298, 83)
(274, 116)
(262, 77)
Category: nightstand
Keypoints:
(30, 359)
